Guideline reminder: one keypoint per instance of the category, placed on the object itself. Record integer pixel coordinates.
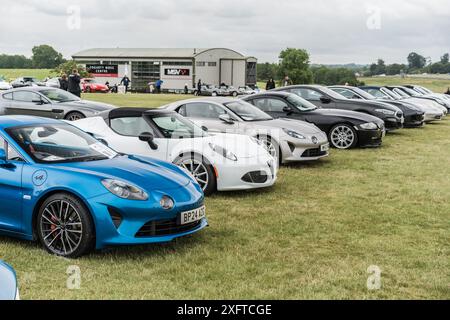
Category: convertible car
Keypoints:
(66, 189)
(8, 283)
(328, 99)
(414, 116)
(345, 129)
(218, 162)
(286, 140)
(444, 104)
(49, 103)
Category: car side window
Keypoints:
(307, 94)
(202, 110)
(26, 96)
(130, 126)
(270, 105)
(13, 155)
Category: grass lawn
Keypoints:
(311, 236)
(12, 74)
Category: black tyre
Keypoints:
(202, 171)
(234, 94)
(65, 227)
(74, 116)
(343, 136)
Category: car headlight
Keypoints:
(386, 112)
(124, 190)
(294, 134)
(224, 152)
(368, 126)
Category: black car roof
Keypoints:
(370, 87)
(283, 94)
(135, 112)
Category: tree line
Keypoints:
(43, 57)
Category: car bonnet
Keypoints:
(241, 145)
(97, 106)
(291, 124)
(140, 171)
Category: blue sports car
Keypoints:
(8, 283)
(61, 186)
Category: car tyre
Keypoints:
(343, 136)
(74, 116)
(202, 171)
(271, 146)
(65, 227)
(235, 94)
(214, 94)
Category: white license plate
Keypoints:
(325, 147)
(193, 215)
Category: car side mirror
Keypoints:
(149, 138)
(39, 102)
(226, 118)
(325, 100)
(288, 110)
(356, 97)
(204, 128)
(3, 159)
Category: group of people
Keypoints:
(71, 83)
(271, 83)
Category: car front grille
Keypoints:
(164, 228)
(310, 153)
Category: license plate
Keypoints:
(325, 147)
(193, 215)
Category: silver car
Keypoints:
(287, 140)
(48, 102)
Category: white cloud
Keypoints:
(332, 31)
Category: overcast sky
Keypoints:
(333, 31)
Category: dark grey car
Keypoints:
(48, 102)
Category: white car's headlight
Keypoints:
(124, 190)
(224, 152)
(386, 112)
(294, 134)
(368, 126)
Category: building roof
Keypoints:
(140, 53)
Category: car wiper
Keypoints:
(89, 158)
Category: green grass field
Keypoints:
(11, 74)
(311, 236)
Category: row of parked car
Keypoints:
(87, 84)
(224, 90)
(110, 176)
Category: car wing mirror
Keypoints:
(149, 138)
(226, 118)
(38, 102)
(325, 100)
(288, 110)
(4, 160)
(205, 128)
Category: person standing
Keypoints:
(159, 83)
(448, 91)
(199, 87)
(63, 83)
(73, 85)
(270, 84)
(126, 82)
(186, 88)
(287, 81)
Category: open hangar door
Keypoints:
(233, 72)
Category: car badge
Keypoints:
(315, 140)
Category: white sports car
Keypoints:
(218, 162)
(4, 85)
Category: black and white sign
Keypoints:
(103, 70)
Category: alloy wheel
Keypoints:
(342, 137)
(61, 227)
(269, 146)
(198, 170)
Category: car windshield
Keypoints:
(332, 94)
(363, 94)
(29, 79)
(59, 143)
(411, 92)
(300, 103)
(59, 96)
(401, 93)
(420, 90)
(247, 112)
(174, 126)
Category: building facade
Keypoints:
(175, 67)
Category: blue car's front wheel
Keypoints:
(65, 227)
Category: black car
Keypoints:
(414, 117)
(345, 129)
(326, 98)
(412, 93)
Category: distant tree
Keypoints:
(445, 58)
(294, 63)
(395, 68)
(330, 76)
(416, 61)
(45, 57)
(14, 62)
(68, 66)
(267, 70)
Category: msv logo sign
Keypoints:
(177, 72)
